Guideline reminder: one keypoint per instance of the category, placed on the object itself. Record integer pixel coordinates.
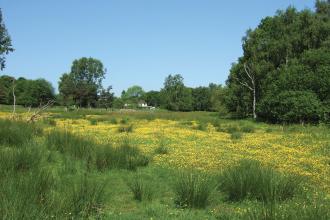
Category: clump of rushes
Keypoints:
(93, 121)
(127, 129)
(85, 197)
(141, 189)
(162, 147)
(236, 135)
(124, 121)
(71, 144)
(192, 190)
(250, 180)
(201, 126)
(16, 133)
(113, 121)
(122, 157)
(248, 129)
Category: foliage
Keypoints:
(82, 84)
(31, 93)
(287, 53)
(5, 43)
(176, 96)
(132, 95)
(291, 107)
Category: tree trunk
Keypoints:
(254, 104)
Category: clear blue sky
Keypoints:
(140, 42)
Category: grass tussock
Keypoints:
(15, 133)
(67, 143)
(250, 180)
(140, 188)
(125, 156)
(192, 190)
(126, 128)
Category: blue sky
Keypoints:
(140, 42)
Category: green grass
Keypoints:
(59, 175)
(193, 190)
(141, 189)
(16, 133)
(125, 128)
(251, 180)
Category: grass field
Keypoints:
(161, 165)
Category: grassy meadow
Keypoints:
(97, 164)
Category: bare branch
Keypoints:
(38, 112)
(247, 70)
(244, 84)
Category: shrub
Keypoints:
(291, 107)
(192, 190)
(127, 129)
(16, 133)
(140, 188)
(249, 179)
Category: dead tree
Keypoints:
(250, 83)
(14, 99)
(38, 112)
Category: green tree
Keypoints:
(201, 98)
(106, 98)
(286, 52)
(176, 96)
(5, 43)
(83, 83)
(6, 84)
(153, 98)
(133, 94)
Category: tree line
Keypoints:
(282, 77)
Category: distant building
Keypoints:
(143, 104)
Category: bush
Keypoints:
(291, 107)
(249, 179)
(16, 133)
(140, 188)
(192, 190)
